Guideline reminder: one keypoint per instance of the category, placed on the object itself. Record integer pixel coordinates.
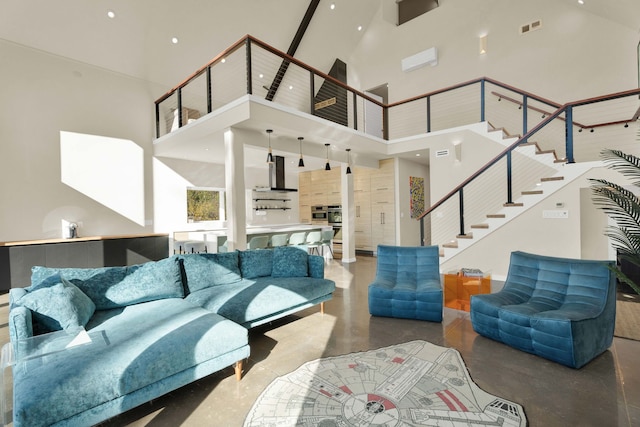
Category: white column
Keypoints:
(234, 184)
(348, 217)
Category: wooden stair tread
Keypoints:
(465, 236)
(480, 226)
(496, 216)
(513, 205)
(531, 192)
(552, 178)
(453, 245)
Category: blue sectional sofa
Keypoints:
(153, 327)
(558, 308)
(407, 283)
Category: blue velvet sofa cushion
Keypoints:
(559, 308)
(407, 283)
(290, 261)
(57, 304)
(143, 345)
(113, 287)
(205, 270)
(248, 301)
(256, 263)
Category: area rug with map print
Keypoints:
(411, 384)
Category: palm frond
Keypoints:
(626, 164)
(622, 205)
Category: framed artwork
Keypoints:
(416, 201)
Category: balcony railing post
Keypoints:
(312, 93)
(422, 231)
(355, 111)
(428, 113)
(209, 100)
(482, 99)
(509, 183)
(249, 76)
(569, 133)
(385, 123)
(525, 125)
(179, 95)
(461, 197)
(157, 120)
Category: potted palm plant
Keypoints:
(623, 206)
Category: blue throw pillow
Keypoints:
(256, 263)
(57, 304)
(290, 261)
(206, 270)
(94, 282)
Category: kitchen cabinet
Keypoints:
(319, 182)
(383, 222)
(333, 187)
(304, 197)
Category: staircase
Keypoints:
(546, 186)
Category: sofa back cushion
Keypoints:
(114, 287)
(290, 261)
(408, 265)
(256, 263)
(57, 304)
(206, 270)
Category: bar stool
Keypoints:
(279, 240)
(314, 241)
(194, 246)
(297, 238)
(258, 242)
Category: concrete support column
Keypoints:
(348, 217)
(235, 192)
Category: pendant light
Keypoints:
(301, 161)
(348, 161)
(327, 166)
(269, 155)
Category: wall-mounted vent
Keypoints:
(531, 26)
(442, 153)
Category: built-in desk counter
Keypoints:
(17, 258)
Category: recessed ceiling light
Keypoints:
(290, 87)
(223, 60)
(261, 75)
(111, 14)
(359, 27)
(333, 6)
(174, 40)
(580, 1)
(417, 154)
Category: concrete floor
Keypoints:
(606, 392)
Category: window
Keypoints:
(205, 204)
(409, 9)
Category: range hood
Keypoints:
(276, 176)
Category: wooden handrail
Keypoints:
(526, 137)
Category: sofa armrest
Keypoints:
(15, 294)
(20, 324)
(316, 266)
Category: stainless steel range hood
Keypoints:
(276, 176)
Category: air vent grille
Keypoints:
(442, 153)
(531, 26)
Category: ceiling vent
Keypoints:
(531, 26)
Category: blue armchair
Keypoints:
(407, 283)
(557, 308)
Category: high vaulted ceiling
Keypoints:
(137, 41)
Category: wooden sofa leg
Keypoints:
(238, 369)
(322, 307)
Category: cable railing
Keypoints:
(252, 67)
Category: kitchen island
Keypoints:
(213, 239)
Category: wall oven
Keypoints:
(319, 214)
(334, 215)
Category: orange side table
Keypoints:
(458, 289)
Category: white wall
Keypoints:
(43, 95)
(574, 55)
